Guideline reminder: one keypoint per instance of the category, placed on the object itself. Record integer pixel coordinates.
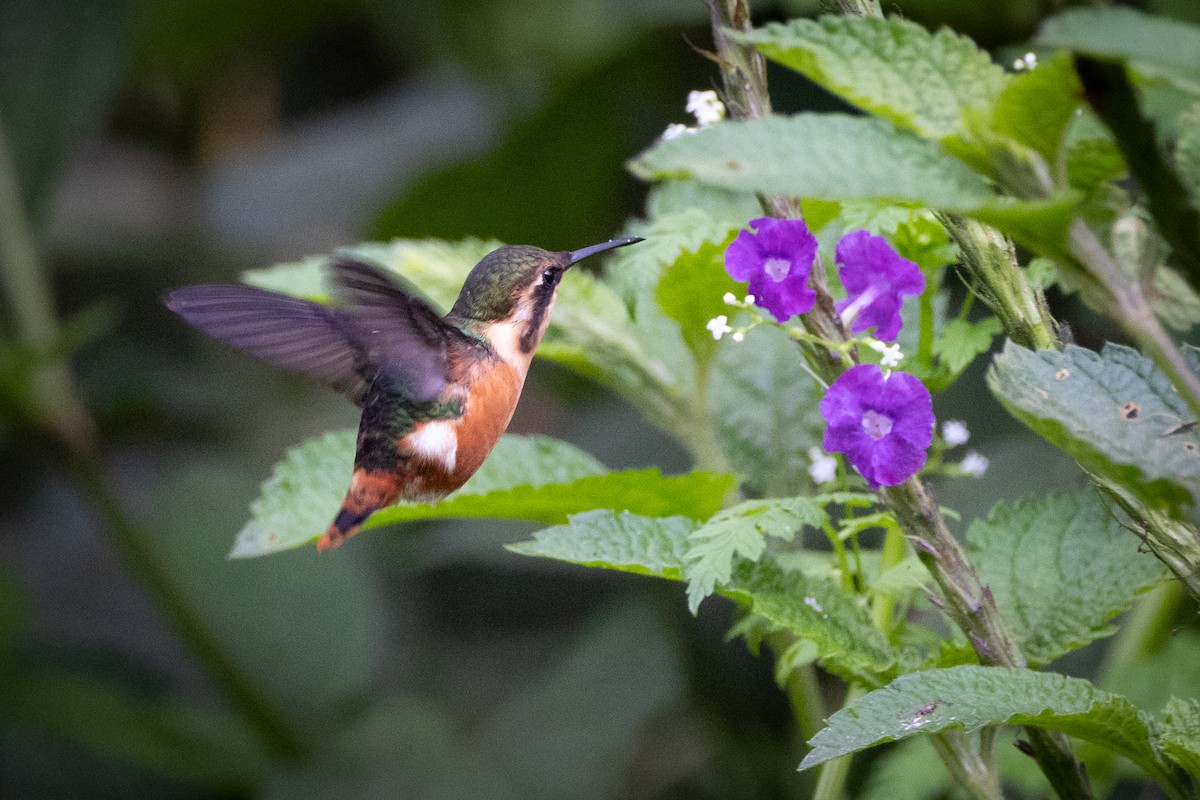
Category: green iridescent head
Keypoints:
(518, 280)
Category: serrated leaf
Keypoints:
(1179, 734)
(739, 532)
(535, 478)
(1113, 411)
(960, 340)
(1156, 45)
(764, 411)
(826, 156)
(891, 67)
(1060, 567)
(819, 611)
(626, 542)
(973, 697)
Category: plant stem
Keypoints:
(831, 784)
(967, 766)
(967, 601)
(59, 408)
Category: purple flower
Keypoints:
(884, 425)
(875, 277)
(776, 261)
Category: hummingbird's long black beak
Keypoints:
(579, 255)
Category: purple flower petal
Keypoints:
(882, 425)
(776, 262)
(875, 277)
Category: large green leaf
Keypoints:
(764, 410)
(1037, 105)
(972, 697)
(534, 478)
(892, 67)
(838, 157)
(1113, 410)
(626, 542)
(828, 156)
(203, 747)
(1156, 45)
(690, 292)
(1060, 567)
(740, 533)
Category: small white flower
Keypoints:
(974, 464)
(730, 299)
(1025, 62)
(955, 432)
(814, 604)
(824, 466)
(706, 107)
(719, 326)
(749, 300)
(675, 130)
(738, 336)
(890, 354)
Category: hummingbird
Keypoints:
(436, 391)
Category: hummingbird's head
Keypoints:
(515, 287)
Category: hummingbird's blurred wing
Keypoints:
(299, 335)
(401, 334)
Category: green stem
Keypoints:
(925, 333)
(883, 605)
(59, 403)
(831, 784)
(968, 766)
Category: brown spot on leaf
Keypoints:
(1062, 374)
(1130, 410)
(1190, 447)
(733, 165)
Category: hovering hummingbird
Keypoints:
(436, 392)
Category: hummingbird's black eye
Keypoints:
(550, 277)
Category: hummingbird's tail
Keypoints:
(370, 490)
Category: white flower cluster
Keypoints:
(705, 106)
(1025, 62)
(955, 432)
(719, 326)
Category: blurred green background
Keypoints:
(152, 143)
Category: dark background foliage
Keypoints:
(162, 142)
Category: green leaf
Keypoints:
(1179, 734)
(1113, 411)
(891, 67)
(690, 292)
(739, 532)
(764, 410)
(626, 542)
(825, 156)
(960, 340)
(1155, 45)
(973, 697)
(201, 747)
(1060, 567)
(819, 611)
(1037, 105)
(533, 478)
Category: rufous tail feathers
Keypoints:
(370, 490)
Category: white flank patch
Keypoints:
(436, 441)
